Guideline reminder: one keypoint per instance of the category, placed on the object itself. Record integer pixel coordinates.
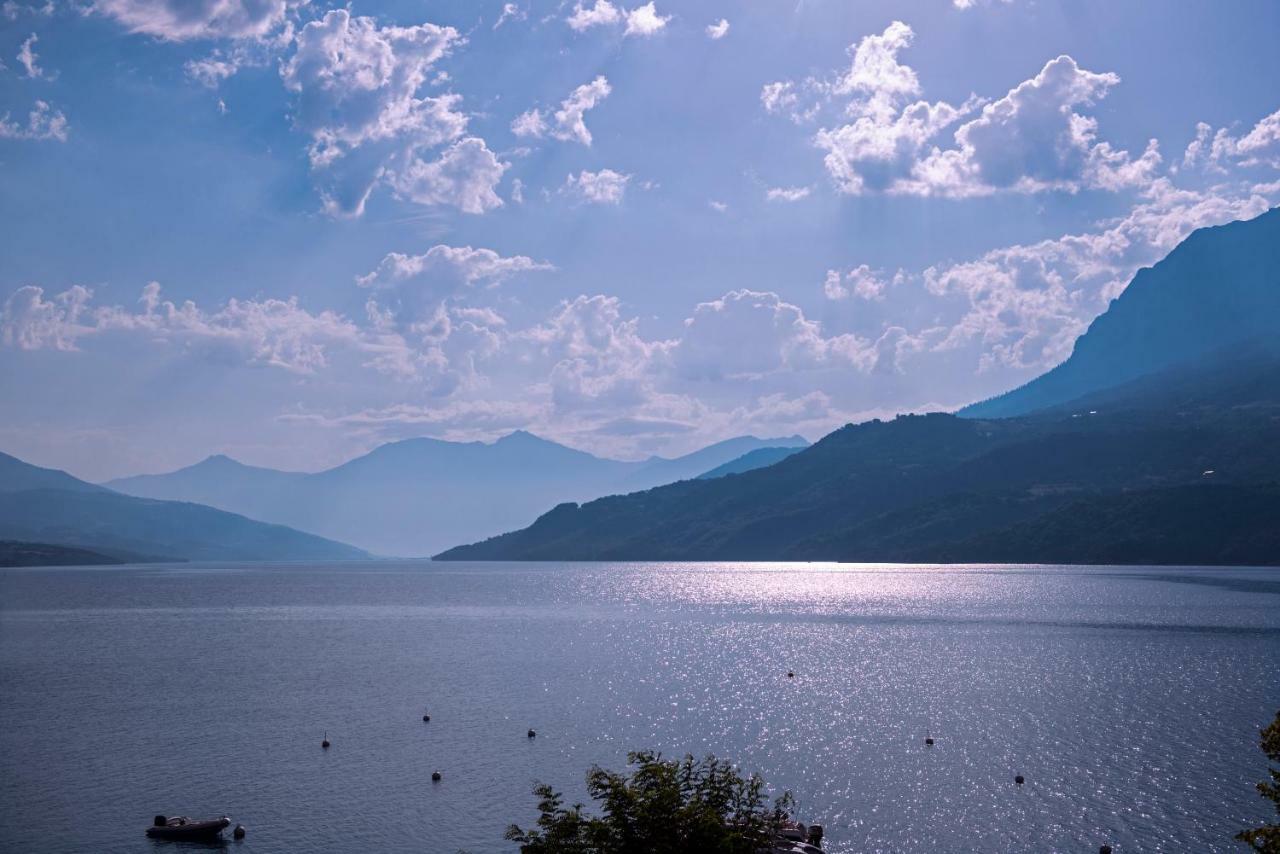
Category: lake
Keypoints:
(1129, 698)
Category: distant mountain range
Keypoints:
(418, 496)
(45, 510)
(1158, 441)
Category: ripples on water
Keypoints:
(1130, 699)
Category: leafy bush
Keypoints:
(659, 806)
(1267, 838)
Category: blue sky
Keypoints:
(291, 231)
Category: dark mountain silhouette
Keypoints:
(15, 553)
(1178, 458)
(51, 507)
(1217, 289)
(417, 496)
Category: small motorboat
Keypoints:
(188, 829)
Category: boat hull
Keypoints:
(189, 830)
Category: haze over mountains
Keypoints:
(1158, 441)
(418, 496)
(52, 508)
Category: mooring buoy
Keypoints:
(426, 719)
(532, 733)
(435, 776)
(325, 742)
(238, 833)
(928, 741)
(1018, 780)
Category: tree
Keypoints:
(661, 807)
(1267, 838)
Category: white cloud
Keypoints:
(567, 123)
(640, 21)
(718, 207)
(28, 57)
(1033, 139)
(861, 282)
(510, 12)
(356, 87)
(602, 14)
(645, 21)
(718, 30)
(43, 122)
(277, 333)
(1216, 150)
(357, 82)
(787, 194)
(603, 187)
(178, 20)
(448, 268)
(463, 176)
(749, 334)
(1024, 305)
(529, 123)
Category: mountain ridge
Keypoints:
(415, 496)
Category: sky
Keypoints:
(292, 231)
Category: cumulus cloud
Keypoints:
(718, 30)
(645, 21)
(640, 21)
(1033, 139)
(748, 334)
(463, 176)
(43, 122)
(1216, 150)
(603, 187)
(356, 88)
(861, 282)
(272, 332)
(1024, 305)
(602, 14)
(567, 123)
(179, 20)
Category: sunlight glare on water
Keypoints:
(1130, 699)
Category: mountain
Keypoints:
(1178, 477)
(417, 496)
(658, 471)
(15, 553)
(757, 459)
(1217, 289)
(46, 506)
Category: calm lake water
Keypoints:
(1129, 698)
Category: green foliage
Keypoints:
(1267, 838)
(659, 806)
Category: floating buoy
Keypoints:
(426, 719)
(791, 674)
(928, 741)
(325, 743)
(532, 733)
(1106, 849)
(435, 776)
(1018, 780)
(238, 833)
